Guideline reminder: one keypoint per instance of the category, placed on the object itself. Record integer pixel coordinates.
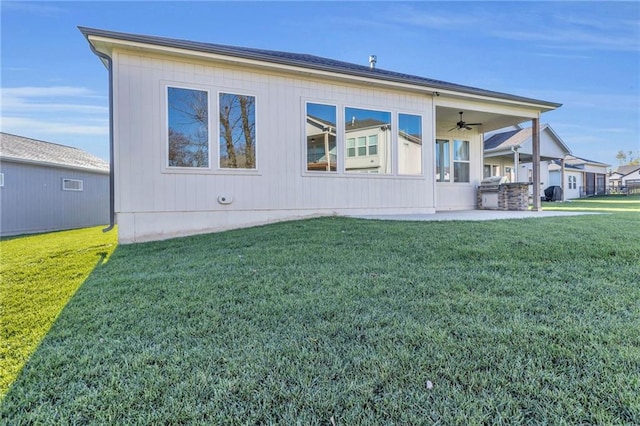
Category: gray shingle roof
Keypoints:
(311, 62)
(19, 148)
(625, 170)
(499, 138)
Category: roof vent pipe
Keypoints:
(372, 61)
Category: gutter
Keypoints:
(109, 64)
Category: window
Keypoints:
(188, 127)
(409, 144)
(443, 165)
(1, 180)
(460, 161)
(71, 185)
(572, 182)
(491, 170)
(321, 138)
(237, 131)
(368, 141)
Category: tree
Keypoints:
(237, 130)
(628, 158)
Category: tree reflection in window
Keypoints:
(188, 133)
(237, 131)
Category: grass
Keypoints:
(606, 204)
(40, 273)
(364, 322)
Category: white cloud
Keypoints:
(25, 126)
(54, 111)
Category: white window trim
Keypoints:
(68, 180)
(341, 142)
(165, 130)
(452, 160)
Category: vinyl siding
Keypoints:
(280, 187)
(32, 199)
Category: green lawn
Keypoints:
(607, 204)
(40, 273)
(532, 321)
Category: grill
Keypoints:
(495, 193)
(492, 183)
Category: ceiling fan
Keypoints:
(460, 125)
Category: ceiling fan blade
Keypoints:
(453, 128)
(468, 128)
(474, 124)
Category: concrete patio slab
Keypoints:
(473, 215)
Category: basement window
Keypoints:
(72, 185)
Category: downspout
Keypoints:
(112, 214)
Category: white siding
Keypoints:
(154, 201)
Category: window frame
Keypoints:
(165, 106)
(305, 149)
(256, 150)
(453, 161)
(421, 117)
(80, 181)
(342, 141)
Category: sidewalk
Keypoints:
(473, 215)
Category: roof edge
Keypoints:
(277, 57)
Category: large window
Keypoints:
(409, 144)
(188, 127)
(460, 164)
(321, 138)
(367, 141)
(237, 131)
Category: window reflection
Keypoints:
(321, 138)
(188, 130)
(409, 144)
(367, 141)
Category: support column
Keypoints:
(535, 142)
(562, 179)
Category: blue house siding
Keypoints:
(33, 200)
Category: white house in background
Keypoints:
(209, 137)
(48, 187)
(582, 177)
(508, 152)
(624, 174)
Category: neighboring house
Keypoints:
(508, 152)
(582, 177)
(619, 179)
(47, 187)
(209, 137)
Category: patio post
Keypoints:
(535, 142)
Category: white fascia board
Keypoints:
(107, 45)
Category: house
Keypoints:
(508, 152)
(620, 179)
(48, 187)
(208, 137)
(582, 177)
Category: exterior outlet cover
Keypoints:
(225, 199)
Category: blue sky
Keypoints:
(585, 55)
